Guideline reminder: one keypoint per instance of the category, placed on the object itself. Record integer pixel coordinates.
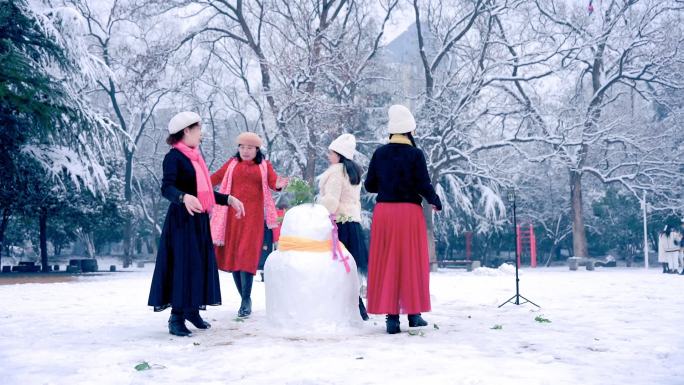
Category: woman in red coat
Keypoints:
(250, 178)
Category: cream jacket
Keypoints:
(338, 195)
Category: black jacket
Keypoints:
(179, 178)
(398, 173)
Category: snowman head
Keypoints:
(309, 221)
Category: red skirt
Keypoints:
(398, 260)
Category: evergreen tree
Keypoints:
(49, 132)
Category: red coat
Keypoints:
(244, 236)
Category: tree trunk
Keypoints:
(42, 219)
(579, 237)
(128, 156)
(430, 224)
(552, 252)
(3, 227)
(90, 245)
(149, 243)
(128, 195)
(311, 155)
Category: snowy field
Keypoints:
(609, 326)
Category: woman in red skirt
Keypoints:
(398, 267)
(238, 241)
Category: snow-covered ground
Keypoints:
(609, 326)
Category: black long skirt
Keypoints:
(185, 274)
(352, 237)
(266, 247)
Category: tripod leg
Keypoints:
(530, 301)
(509, 300)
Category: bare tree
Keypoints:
(310, 58)
(135, 87)
(623, 50)
(475, 114)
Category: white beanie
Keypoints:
(182, 120)
(344, 145)
(400, 120)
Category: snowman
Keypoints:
(309, 284)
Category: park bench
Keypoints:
(84, 265)
(458, 263)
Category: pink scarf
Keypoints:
(219, 216)
(205, 192)
(337, 246)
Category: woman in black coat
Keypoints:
(185, 274)
(398, 269)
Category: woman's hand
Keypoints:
(192, 204)
(281, 182)
(237, 205)
(435, 208)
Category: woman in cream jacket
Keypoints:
(339, 191)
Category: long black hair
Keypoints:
(408, 135)
(671, 224)
(257, 159)
(352, 169)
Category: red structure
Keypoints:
(526, 243)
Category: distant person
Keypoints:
(662, 256)
(671, 238)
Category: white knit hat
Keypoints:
(182, 120)
(344, 145)
(401, 120)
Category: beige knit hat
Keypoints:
(344, 145)
(401, 120)
(249, 139)
(182, 120)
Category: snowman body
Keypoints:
(309, 290)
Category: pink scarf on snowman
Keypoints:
(205, 192)
(219, 217)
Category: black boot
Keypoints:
(177, 324)
(664, 268)
(194, 317)
(415, 320)
(362, 310)
(238, 282)
(246, 305)
(393, 324)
